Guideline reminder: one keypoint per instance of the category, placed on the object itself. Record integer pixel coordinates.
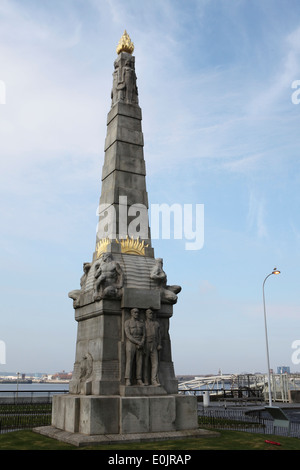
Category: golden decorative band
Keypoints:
(129, 245)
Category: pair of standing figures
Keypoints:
(143, 343)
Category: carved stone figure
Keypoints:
(75, 294)
(116, 80)
(152, 348)
(124, 82)
(135, 338)
(86, 268)
(129, 81)
(86, 367)
(109, 278)
(168, 293)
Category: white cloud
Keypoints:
(256, 215)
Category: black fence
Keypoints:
(26, 409)
(14, 417)
(256, 421)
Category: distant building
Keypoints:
(283, 370)
(62, 376)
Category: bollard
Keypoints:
(206, 399)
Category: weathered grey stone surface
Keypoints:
(98, 415)
(94, 415)
(141, 391)
(134, 415)
(186, 412)
(124, 157)
(139, 297)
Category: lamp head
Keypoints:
(275, 271)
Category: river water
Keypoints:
(35, 389)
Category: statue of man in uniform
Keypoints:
(152, 348)
(135, 338)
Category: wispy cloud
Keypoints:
(274, 92)
(53, 99)
(256, 216)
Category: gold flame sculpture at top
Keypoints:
(125, 44)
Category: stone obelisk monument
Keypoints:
(123, 382)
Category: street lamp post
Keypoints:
(18, 373)
(275, 271)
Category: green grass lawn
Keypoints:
(228, 440)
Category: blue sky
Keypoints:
(220, 129)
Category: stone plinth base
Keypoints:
(80, 440)
(122, 415)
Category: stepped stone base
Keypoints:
(81, 440)
(89, 420)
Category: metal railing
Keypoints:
(28, 396)
(14, 417)
(240, 420)
(235, 395)
(23, 409)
